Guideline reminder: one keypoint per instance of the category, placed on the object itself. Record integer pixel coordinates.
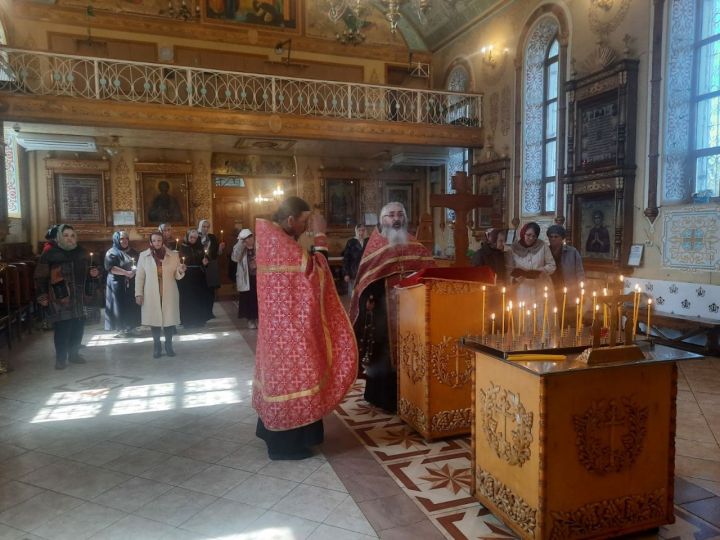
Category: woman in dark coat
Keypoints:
(352, 254)
(194, 291)
(122, 314)
(213, 249)
(492, 254)
(64, 281)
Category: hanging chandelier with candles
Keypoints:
(338, 10)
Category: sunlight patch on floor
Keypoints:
(139, 399)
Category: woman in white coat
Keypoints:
(530, 267)
(158, 270)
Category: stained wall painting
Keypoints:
(373, 25)
(274, 13)
(135, 7)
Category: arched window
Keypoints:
(691, 150)
(550, 124)
(541, 88)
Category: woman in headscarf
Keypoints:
(492, 254)
(352, 254)
(65, 281)
(531, 266)
(158, 271)
(243, 254)
(213, 249)
(122, 314)
(194, 292)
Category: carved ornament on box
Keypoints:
(445, 356)
(412, 356)
(610, 514)
(506, 424)
(519, 511)
(453, 287)
(451, 420)
(412, 414)
(609, 435)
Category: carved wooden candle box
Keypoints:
(435, 309)
(567, 450)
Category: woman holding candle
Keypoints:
(63, 278)
(122, 314)
(195, 295)
(531, 266)
(213, 249)
(158, 271)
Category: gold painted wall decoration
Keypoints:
(506, 424)
(609, 435)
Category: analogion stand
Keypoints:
(567, 449)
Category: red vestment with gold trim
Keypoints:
(380, 260)
(306, 356)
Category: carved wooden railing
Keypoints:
(41, 73)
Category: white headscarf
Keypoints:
(204, 238)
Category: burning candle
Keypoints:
(492, 319)
(594, 304)
(605, 310)
(582, 296)
(555, 318)
(562, 318)
(545, 313)
(183, 260)
(636, 308)
(511, 326)
(521, 308)
(91, 258)
(177, 242)
(502, 315)
(534, 318)
(527, 325)
(482, 315)
(649, 310)
(578, 316)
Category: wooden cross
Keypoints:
(462, 201)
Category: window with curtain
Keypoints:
(541, 80)
(691, 148)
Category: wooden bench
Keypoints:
(684, 315)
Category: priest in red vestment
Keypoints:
(306, 357)
(390, 255)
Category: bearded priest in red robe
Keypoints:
(306, 357)
(391, 254)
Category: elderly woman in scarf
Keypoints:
(213, 249)
(195, 295)
(492, 254)
(530, 267)
(158, 271)
(121, 312)
(243, 254)
(65, 280)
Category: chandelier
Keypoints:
(352, 13)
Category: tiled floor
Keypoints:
(129, 447)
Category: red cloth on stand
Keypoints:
(306, 357)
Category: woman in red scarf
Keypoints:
(156, 290)
(531, 266)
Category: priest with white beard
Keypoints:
(391, 254)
